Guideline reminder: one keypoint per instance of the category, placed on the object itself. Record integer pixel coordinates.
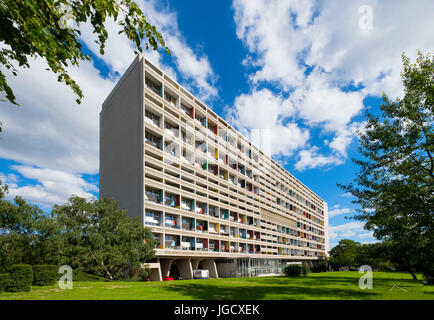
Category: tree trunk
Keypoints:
(412, 274)
(410, 270)
(108, 273)
(102, 264)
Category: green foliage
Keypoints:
(21, 278)
(348, 253)
(320, 266)
(92, 236)
(85, 277)
(26, 233)
(305, 270)
(100, 239)
(45, 275)
(376, 255)
(4, 281)
(395, 185)
(141, 274)
(344, 254)
(293, 270)
(50, 30)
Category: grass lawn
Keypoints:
(329, 285)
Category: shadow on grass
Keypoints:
(351, 281)
(208, 291)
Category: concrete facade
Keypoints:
(206, 192)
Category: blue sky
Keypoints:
(306, 70)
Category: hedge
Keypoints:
(21, 277)
(292, 270)
(4, 281)
(45, 275)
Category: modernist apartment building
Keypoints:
(212, 199)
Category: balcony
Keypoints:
(171, 200)
(187, 204)
(152, 118)
(152, 195)
(187, 227)
(171, 222)
(200, 246)
(152, 219)
(187, 245)
(187, 138)
(153, 140)
(187, 110)
(171, 130)
(200, 120)
(201, 227)
(156, 88)
(170, 99)
(200, 208)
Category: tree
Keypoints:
(344, 254)
(92, 236)
(44, 29)
(394, 185)
(99, 238)
(26, 233)
(377, 255)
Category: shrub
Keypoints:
(305, 270)
(320, 266)
(4, 281)
(45, 275)
(21, 278)
(428, 275)
(140, 274)
(292, 270)
(85, 277)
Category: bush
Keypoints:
(4, 281)
(21, 278)
(428, 275)
(140, 274)
(292, 270)
(305, 270)
(320, 266)
(45, 275)
(85, 277)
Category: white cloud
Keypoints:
(366, 235)
(10, 179)
(346, 195)
(316, 53)
(347, 230)
(311, 158)
(195, 69)
(337, 210)
(263, 110)
(53, 186)
(363, 56)
(49, 130)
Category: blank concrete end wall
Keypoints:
(121, 142)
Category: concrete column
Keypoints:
(209, 264)
(195, 263)
(165, 266)
(155, 275)
(184, 268)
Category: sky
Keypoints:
(304, 69)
